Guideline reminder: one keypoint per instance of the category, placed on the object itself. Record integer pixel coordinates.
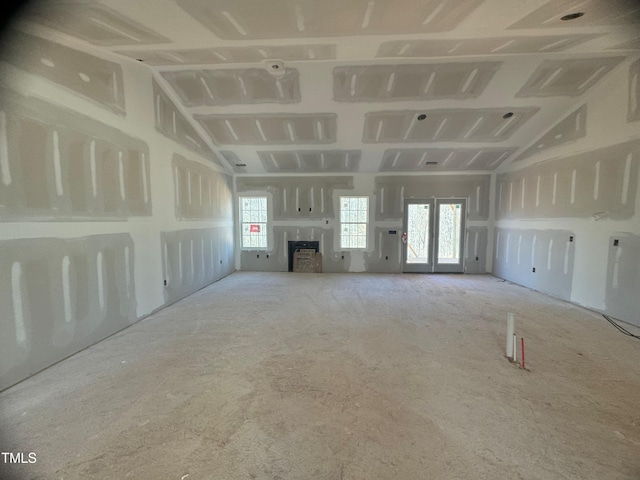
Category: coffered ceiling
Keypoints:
(312, 86)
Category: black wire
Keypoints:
(620, 327)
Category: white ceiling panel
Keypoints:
(489, 76)
(237, 19)
(454, 125)
(596, 12)
(311, 161)
(229, 87)
(426, 159)
(230, 55)
(567, 77)
(94, 23)
(270, 129)
(173, 124)
(234, 161)
(570, 129)
(482, 46)
(378, 83)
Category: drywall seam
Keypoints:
(61, 165)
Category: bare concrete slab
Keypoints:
(326, 376)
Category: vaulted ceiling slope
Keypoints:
(313, 86)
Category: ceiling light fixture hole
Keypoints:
(422, 116)
(572, 16)
(508, 115)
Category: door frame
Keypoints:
(449, 267)
(433, 266)
(417, 267)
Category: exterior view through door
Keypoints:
(433, 239)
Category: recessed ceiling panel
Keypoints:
(596, 12)
(222, 55)
(482, 46)
(229, 87)
(92, 77)
(567, 77)
(567, 130)
(426, 159)
(94, 23)
(311, 161)
(378, 83)
(270, 129)
(450, 125)
(634, 92)
(242, 20)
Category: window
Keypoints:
(253, 220)
(354, 214)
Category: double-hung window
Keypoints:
(253, 222)
(354, 217)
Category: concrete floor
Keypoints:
(341, 377)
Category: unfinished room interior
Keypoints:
(320, 239)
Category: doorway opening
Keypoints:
(434, 235)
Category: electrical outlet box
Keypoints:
(616, 242)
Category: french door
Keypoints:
(433, 239)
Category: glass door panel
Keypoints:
(418, 234)
(450, 235)
(418, 242)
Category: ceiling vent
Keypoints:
(572, 16)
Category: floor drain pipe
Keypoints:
(510, 333)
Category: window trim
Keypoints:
(241, 223)
(366, 224)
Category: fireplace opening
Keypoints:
(297, 245)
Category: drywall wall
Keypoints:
(306, 208)
(569, 206)
(111, 204)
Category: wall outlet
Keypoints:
(165, 282)
(616, 242)
(534, 269)
(477, 258)
(571, 238)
